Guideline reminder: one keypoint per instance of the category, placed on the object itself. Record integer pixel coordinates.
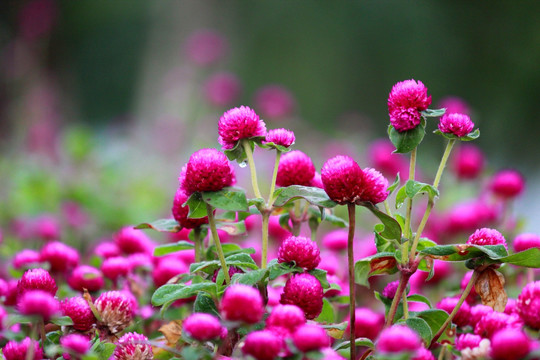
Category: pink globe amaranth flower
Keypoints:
(38, 302)
(333, 279)
(47, 228)
(423, 354)
(464, 281)
(528, 304)
(140, 261)
(462, 317)
(477, 312)
(208, 170)
(375, 186)
(166, 269)
(511, 307)
(60, 256)
(406, 100)
(310, 337)
(239, 123)
(456, 124)
(262, 345)
(75, 343)
(336, 240)
(398, 338)
(242, 303)
(305, 291)
(295, 168)
(526, 241)
(36, 279)
(275, 101)
(494, 321)
(469, 216)
(507, 184)
(180, 213)
(317, 181)
(275, 230)
(131, 241)
(18, 350)
(133, 346)
(74, 214)
(467, 341)
(232, 270)
(206, 47)
(510, 344)
(343, 180)
(286, 316)
(368, 323)
(304, 252)
(107, 249)
(80, 312)
(486, 236)
(222, 89)
(281, 137)
(202, 327)
(381, 156)
(390, 289)
(26, 257)
(454, 104)
(331, 354)
(115, 309)
(468, 162)
(115, 267)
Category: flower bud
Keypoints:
(86, 277)
(262, 345)
(310, 337)
(242, 303)
(304, 291)
(304, 252)
(202, 327)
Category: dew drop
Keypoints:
(243, 164)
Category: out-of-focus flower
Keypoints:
(275, 101)
(38, 302)
(310, 337)
(37, 279)
(262, 345)
(206, 47)
(468, 161)
(397, 339)
(528, 304)
(454, 104)
(60, 256)
(202, 327)
(222, 89)
(507, 184)
(242, 303)
(131, 241)
(19, 350)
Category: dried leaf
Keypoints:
(490, 286)
(90, 301)
(172, 332)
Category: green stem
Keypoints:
(215, 235)
(198, 245)
(457, 307)
(403, 280)
(387, 208)
(265, 220)
(444, 160)
(352, 298)
(251, 163)
(407, 230)
(274, 177)
(405, 306)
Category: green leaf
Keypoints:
(197, 207)
(401, 195)
(412, 188)
(232, 228)
(406, 141)
(392, 229)
(250, 277)
(205, 304)
(172, 248)
(241, 260)
(433, 112)
(276, 269)
(528, 258)
(105, 351)
(381, 263)
(473, 135)
(358, 342)
(462, 252)
(62, 321)
(163, 225)
(284, 221)
(238, 153)
(258, 202)
(336, 220)
(421, 327)
(313, 195)
(394, 185)
(327, 314)
(419, 298)
(424, 243)
(229, 198)
(171, 292)
(382, 244)
(435, 318)
(320, 274)
(271, 145)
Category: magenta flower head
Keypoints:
(36, 279)
(76, 344)
(486, 236)
(477, 313)
(301, 250)
(275, 101)
(317, 181)
(295, 168)
(86, 277)
(180, 213)
(468, 161)
(390, 289)
(206, 47)
(375, 186)
(38, 302)
(423, 354)
(528, 304)
(132, 241)
(222, 89)
(405, 102)
(282, 137)
(343, 180)
(115, 267)
(262, 345)
(526, 241)
(80, 312)
(26, 258)
(286, 316)
(107, 249)
(367, 323)
(381, 155)
(237, 124)
(304, 291)
(310, 337)
(331, 354)
(494, 321)
(507, 184)
(336, 240)
(208, 170)
(459, 125)
(202, 327)
(168, 268)
(242, 303)
(510, 344)
(115, 309)
(46, 227)
(133, 346)
(466, 340)
(17, 351)
(398, 338)
(60, 256)
(462, 317)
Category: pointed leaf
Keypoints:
(469, 137)
(421, 327)
(313, 195)
(528, 258)
(406, 141)
(172, 248)
(229, 198)
(205, 304)
(462, 252)
(381, 263)
(197, 207)
(164, 225)
(327, 314)
(392, 229)
(320, 274)
(433, 112)
(412, 188)
(171, 292)
(394, 185)
(250, 277)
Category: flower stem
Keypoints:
(407, 230)
(274, 177)
(215, 236)
(265, 220)
(405, 306)
(352, 299)
(249, 155)
(198, 243)
(387, 208)
(457, 307)
(403, 280)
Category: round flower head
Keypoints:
(466, 340)
(367, 323)
(382, 157)
(390, 289)
(286, 316)
(477, 312)
(47, 228)
(75, 343)
(511, 307)
(60, 256)
(486, 236)
(242, 303)
(86, 277)
(510, 344)
(343, 180)
(237, 124)
(317, 181)
(107, 249)
(281, 137)
(132, 241)
(528, 304)
(462, 317)
(330, 354)
(140, 262)
(526, 241)
(222, 89)
(304, 291)
(11, 292)
(202, 327)
(115, 267)
(208, 170)
(205, 47)
(507, 184)
(38, 302)
(36, 279)
(262, 345)
(336, 240)
(275, 101)
(180, 213)
(17, 350)
(310, 337)
(80, 313)
(423, 354)
(168, 268)
(456, 124)
(115, 309)
(468, 161)
(398, 338)
(301, 250)
(405, 102)
(494, 321)
(133, 346)
(375, 186)
(26, 258)
(295, 168)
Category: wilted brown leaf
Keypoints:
(490, 286)
(172, 332)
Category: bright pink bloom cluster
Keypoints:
(207, 170)
(526, 241)
(222, 89)
(304, 291)
(132, 241)
(242, 303)
(286, 316)
(467, 340)
(275, 101)
(295, 168)
(310, 337)
(382, 157)
(206, 47)
(36, 279)
(115, 309)
(60, 256)
(528, 304)
(375, 186)
(368, 323)
(336, 240)
(133, 346)
(18, 350)
(398, 338)
(304, 252)
(26, 258)
(281, 137)
(202, 327)
(454, 104)
(237, 124)
(510, 344)
(86, 277)
(462, 317)
(80, 313)
(38, 302)
(456, 124)
(468, 161)
(262, 345)
(166, 269)
(507, 184)
(180, 213)
(486, 236)
(405, 102)
(75, 343)
(494, 321)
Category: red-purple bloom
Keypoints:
(115, 309)
(262, 345)
(202, 327)
(310, 337)
(367, 323)
(37, 279)
(398, 338)
(304, 252)
(281, 137)
(180, 213)
(167, 269)
(18, 350)
(306, 292)
(274, 101)
(286, 316)
(510, 344)
(75, 343)
(456, 124)
(208, 170)
(423, 354)
(469, 216)
(494, 321)
(80, 312)
(528, 304)
(390, 289)
(486, 236)
(468, 161)
(237, 124)
(375, 186)
(232, 270)
(46, 227)
(507, 184)
(343, 180)
(295, 168)
(382, 157)
(115, 267)
(133, 346)
(405, 102)
(477, 312)
(242, 303)
(336, 240)
(107, 250)
(26, 258)
(464, 341)
(526, 241)
(222, 89)
(206, 47)
(317, 181)
(462, 317)
(38, 302)
(132, 241)
(60, 256)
